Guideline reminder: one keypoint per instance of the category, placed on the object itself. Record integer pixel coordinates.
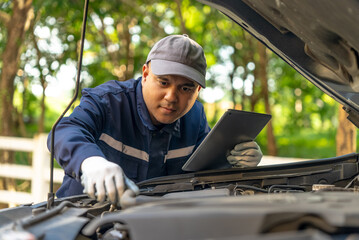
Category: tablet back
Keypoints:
(233, 127)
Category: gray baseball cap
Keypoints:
(179, 55)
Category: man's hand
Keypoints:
(246, 154)
(103, 178)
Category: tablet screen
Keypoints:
(233, 127)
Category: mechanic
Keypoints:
(140, 128)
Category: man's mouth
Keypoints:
(168, 109)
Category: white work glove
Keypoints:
(104, 178)
(245, 154)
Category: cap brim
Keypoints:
(163, 67)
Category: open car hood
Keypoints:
(320, 39)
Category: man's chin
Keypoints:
(165, 120)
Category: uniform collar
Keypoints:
(173, 128)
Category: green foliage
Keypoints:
(118, 38)
(308, 144)
(298, 103)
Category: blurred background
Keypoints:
(39, 44)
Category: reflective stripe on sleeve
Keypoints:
(119, 146)
(181, 152)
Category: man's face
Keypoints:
(167, 97)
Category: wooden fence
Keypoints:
(38, 173)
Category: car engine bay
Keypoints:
(316, 199)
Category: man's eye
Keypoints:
(187, 89)
(163, 83)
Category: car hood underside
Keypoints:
(320, 39)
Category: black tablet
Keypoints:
(233, 127)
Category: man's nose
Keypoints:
(171, 94)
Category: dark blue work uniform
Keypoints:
(112, 121)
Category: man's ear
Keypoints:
(199, 88)
(145, 71)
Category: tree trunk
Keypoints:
(183, 25)
(262, 72)
(20, 21)
(125, 71)
(346, 134)
(129, 51)
(17, 25)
